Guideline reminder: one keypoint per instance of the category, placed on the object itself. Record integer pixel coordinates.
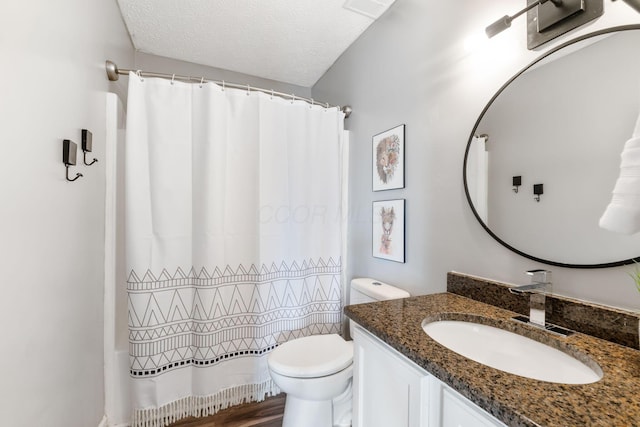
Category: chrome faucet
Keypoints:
(539, 287)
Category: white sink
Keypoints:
(510, 352)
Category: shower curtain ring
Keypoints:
(248, 90)
(312, 104)
(293, 98)
(272, 94)
(173, 77)
(139, 74)
(223, 85)
(201, 81)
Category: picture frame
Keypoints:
(388, 159)
(388, 230)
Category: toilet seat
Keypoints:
(312, 357)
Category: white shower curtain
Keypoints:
(233, 223)
(478, 176)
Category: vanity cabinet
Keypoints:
(448, 408)
(390, 390)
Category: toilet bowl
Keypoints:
(315, 371)
(312, 371)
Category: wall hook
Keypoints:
(538, 189)
(87, 142)
(85, 159)
(517, 182)
(69, 150)
(78, 175)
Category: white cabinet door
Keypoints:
(450, 409)
(388, 389)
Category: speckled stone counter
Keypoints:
(614, 401)
(611, 324)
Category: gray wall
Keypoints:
(148, 62)
(415, 66)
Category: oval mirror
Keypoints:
(561, 122)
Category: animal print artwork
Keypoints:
(388, 229)
(387, 157)
(388, 216)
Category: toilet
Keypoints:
(315, 371)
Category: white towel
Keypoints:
(623, 213)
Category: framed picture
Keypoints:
(388, 159)
(388, 230)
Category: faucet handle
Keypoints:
(539, 276)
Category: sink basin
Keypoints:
(510, 352)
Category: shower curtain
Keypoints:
(233, 239)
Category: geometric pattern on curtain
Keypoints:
(234, 215)
(202, 318)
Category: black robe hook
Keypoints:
(78, 174)
(69, 150)
(87, 142)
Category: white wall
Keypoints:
(52, 231)
(417, 66)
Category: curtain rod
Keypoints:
(113, 74)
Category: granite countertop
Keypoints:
(515, 400)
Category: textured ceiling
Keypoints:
(292, 41)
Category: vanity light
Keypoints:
(548, 19)
(505, 22)
(538, 190)
(517, 182)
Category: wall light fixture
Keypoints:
(505, 22)
(548, 19)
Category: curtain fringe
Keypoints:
(202, 406)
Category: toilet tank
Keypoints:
(364, 290)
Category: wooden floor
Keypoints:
(263, 414)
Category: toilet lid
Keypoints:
(311, 357)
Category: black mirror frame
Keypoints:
(473, 132)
